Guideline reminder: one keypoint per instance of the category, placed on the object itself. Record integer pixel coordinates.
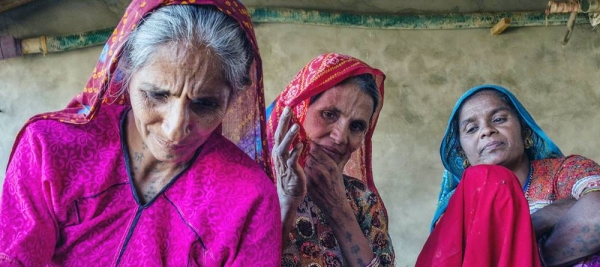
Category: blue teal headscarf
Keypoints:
(542, 147)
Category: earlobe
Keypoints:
(528, 142)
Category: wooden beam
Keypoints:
(9, 4)
(500, 26)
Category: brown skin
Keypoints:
(490, 133)
(336, 124)
(177, 101)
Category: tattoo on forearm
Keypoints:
(349, 236)
(586, 242)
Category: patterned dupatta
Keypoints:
(244, 124)
(319, 75)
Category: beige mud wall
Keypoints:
(427, 70)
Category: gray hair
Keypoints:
(366, 83)
(191, 25)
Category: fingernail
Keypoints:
(294, 128)
(286, 110)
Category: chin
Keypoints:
(167, 155)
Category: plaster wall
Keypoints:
(426, 71)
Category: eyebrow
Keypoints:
(470, 119)
(154, 87)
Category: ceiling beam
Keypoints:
(9, 4)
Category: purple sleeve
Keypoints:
(28, 232)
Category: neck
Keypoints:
(521, 170)
(144, 166)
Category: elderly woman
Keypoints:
(137, 171)
(509, 169)
(332, 214)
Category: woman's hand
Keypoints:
(325, 182)
(291, 180)
(326, 189)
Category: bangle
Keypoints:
(374, 262)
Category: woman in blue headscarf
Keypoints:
(500, 168)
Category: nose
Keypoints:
(176, 123)
(340, 133)
(488, 130)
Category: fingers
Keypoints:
(292, 162)
(282, 127)
(318, 155)
(288, 139)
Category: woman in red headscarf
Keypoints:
(332, 214)
(140, 169)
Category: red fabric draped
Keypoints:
(243, 124)
(487, 223)
(321, 74)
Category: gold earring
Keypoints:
(466, 163)
(528, 142)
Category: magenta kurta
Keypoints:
(69, 200)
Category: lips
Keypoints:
(491, 146)
(332, 152)
(169, 145)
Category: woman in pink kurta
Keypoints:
(91, 186)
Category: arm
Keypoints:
(576, 234)
(28, 232)
(544, 219)
(327, 190)
(291, 180)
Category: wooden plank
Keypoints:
(9, 4)
(500, 26)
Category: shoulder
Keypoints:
(105, 123)
(230, 163)
(568, 164)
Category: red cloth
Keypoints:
(487, 223)
(243, 124)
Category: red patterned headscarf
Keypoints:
(244, 123)
(319, 75)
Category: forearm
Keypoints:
(354, 245)
(544, 219)
(576, 234)
(288, 214)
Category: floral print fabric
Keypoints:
(313, 244)
(68, 200)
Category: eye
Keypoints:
(157, 95)
(499, 120)
(205, 104)
(330, 115)
(358, 127)
(471, 129)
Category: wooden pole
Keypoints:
(500, 26)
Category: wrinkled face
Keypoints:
(338, 121)
(178, 99)
(490, 132)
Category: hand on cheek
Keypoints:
(325, 180)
